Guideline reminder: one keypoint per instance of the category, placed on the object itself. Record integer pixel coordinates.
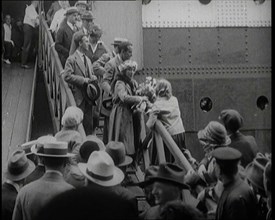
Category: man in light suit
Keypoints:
(65, 34)
(78, 73)
(33, 197)
(111, 70)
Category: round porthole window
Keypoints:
(259, 2)
(205, 2)
(206, 104)
(262, 102)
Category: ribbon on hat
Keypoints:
(103, 178)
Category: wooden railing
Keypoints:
(58, 92)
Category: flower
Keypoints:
(147, 88)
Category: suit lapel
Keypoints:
(80, 63)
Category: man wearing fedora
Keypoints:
(101, 172)
(87, 21)
(78, 73)
(33, 197)
(19, 167)
(167, 186)
(65, 34)
(237, 201)
(247, 145)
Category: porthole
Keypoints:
(262, 102)
(259, 2)
(205, 2)
(206, 104)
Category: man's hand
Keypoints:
(93, 78)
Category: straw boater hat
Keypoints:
(27, 147)
(19, 166)
(101, 169)
(118, 153)
(53, 149)
(118, 41)
(72, 116)
(214, 134)
(39, 143)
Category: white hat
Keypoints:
(72, 116)
(41, 141)
(101, 169)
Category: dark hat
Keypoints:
(171, 173)
(19, 166)
(93, 92)
(71, 10)
(87, 148)
(150, 172)
(87, 15)
(231, 119)
(53, 149)
(118, 41)
(95, 30)
(118, 153)
(214, 134)
(255, 170)
(226, 154)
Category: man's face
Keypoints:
(73, 18)
(126, 55)
(84, 43)
(8, 19)
(81, 8)
(87, 23)
(164, 192)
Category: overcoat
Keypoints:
(9, 194)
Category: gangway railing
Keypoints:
(58, 92)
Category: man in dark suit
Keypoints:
(19, 167)
(33, 197)
(111, 69)
(247, 145)
(78, 73)
(65, 34)
(237, 201)
(87, 21)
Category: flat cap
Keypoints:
(231, 119)
(87, 15)
(226, 154)
(71, 10)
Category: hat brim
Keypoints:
(161, 179)
(23, 175)
(117, 177)
(34, 150)
(128, 160)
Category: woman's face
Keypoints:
(129, 72)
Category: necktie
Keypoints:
(86, 65)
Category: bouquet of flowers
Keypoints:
(147, 88)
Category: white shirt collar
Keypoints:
(70, 25)
(16, 186)
(54, 171)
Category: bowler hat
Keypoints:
(92, 92)
(171, 173)
(118, 153)
(27, 147)
(87, 148)
(118, 41)
(255, 170)
(19, 166)
(101, 169)
(53, 149)
(71, 10)
(87, 15)
(231, 119)
(226, 154)
(214, 134)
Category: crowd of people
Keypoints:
(68, 176)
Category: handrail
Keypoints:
(58, 92)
